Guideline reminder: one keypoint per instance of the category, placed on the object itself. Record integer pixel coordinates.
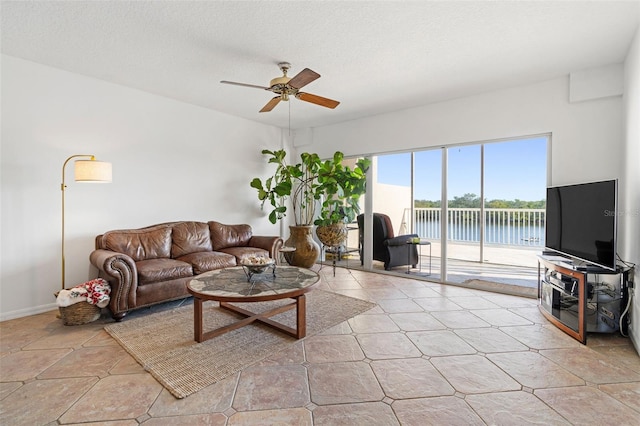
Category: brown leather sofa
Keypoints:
(151, 265)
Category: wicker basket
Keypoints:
(79, 313)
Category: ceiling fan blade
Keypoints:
(271, 104)
(303, 78)
(244, 84)
(318, 100)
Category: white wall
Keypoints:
(594, 83)
(392, 200)
(171, 161)
(588, 140)
(630, 205)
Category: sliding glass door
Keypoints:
(479, 206)
(514, 188)
(392, 194)
(464, 187)
(427, 209)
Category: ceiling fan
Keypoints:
(287, 86)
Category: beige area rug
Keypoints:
(163, 342)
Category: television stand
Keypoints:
(582, 301)
(591, 268)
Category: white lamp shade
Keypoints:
(92, 171)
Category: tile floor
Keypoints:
(427, 354)
(520, 280)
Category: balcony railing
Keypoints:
(513, 227)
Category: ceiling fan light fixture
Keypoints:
(287, 87)
(284, 67)
(280, 80)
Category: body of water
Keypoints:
(504, 234)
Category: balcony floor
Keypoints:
(504, 269)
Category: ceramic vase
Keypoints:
(307, 250)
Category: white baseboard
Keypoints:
(634, 341)
(4, 316)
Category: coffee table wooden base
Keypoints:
(299, 332)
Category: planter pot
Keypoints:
(307, 250)
(333, 235)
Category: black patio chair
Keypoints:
(393, 251)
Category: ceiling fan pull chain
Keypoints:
(289, 120)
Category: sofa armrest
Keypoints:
(121, 273)
(271, 244)
(400, 240)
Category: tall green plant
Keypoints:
(295, 181)
(309, 181)
(342, 188)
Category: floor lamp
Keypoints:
(89, 170)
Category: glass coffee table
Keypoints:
(234, 285)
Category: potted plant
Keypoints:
(341, 188)
(306, 183)
(296, 181)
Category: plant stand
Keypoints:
(335, 250)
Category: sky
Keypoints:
(513, 170)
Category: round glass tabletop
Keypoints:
(236, 283)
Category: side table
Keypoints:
(281, 253)
(421, 242)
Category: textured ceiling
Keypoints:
(374, 57)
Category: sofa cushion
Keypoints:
(154, 270)
(190, 237)
(223, 236)
(242, 253)
(208, 260)
(140, 244)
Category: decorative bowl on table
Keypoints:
(257, 265)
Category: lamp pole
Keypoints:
(95, 171)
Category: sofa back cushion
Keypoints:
(223, 236)
(190, 237)
(140, 244)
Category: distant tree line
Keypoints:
(470, 200)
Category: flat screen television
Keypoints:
(581, 222)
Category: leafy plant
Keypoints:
(309, 181)
(342, 188)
